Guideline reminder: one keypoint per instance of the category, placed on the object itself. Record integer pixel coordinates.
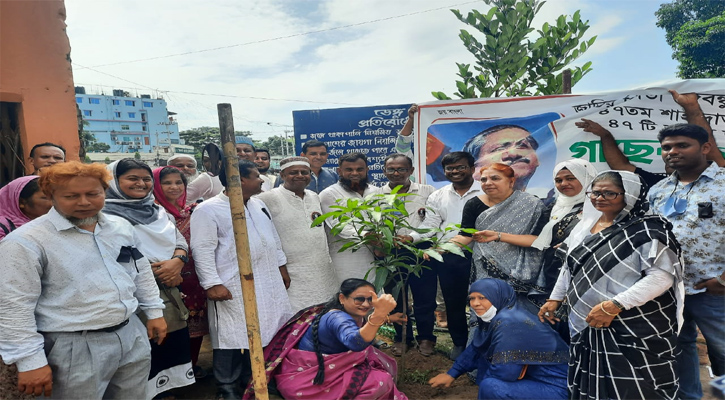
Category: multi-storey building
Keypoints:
(130, 124)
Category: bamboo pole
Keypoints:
(241, 239)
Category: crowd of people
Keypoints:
(114, 274)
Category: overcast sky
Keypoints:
(278, 56)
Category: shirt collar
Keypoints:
(414, 187)
(61, 223)
(476, 187)
(710, 172)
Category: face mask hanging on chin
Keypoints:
(489, 314)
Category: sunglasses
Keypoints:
(361, 300)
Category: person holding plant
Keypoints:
(503, 209)
(510, 364)
(325, 352)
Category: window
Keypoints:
(79, 100)
(125, 128)
(93, 100)
(132, 115)
(148, 104)
(87, 113)
(130, 103)
(126, 139)
(116, 102)
(118, 114)
(143, 128)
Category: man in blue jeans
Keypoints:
(693, 199)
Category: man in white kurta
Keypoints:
(353, 172)
(293, 208)
(216, 265)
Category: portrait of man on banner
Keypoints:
(525, 143)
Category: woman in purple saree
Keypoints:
(324, 351)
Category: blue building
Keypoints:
(129, 124)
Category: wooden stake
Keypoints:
(241, 239)
(566, 81)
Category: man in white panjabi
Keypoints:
(212, 241)
(312, 278)
(353, 183)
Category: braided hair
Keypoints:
(346, 288)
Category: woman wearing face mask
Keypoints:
(623, 287)
(517, 356)
(325, 352)
(502, 208)
(129, 195)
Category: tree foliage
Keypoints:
(275, 145)
(695, 29)
(511, 59)
(200, 137)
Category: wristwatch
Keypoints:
(182, 257)
(617, 304)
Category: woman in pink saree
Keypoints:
(324, 351)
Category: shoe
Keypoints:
(398, 348)
(199, 372)
(426, 347)
(441, 319)
(456, 351)
(228, 392)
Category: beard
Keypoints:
(354, 187)
(262, 170)
(79, 222)
(190, 178)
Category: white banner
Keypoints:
(535, 133)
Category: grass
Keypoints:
(417, 377)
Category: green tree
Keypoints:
(199, 137)
(510, 59)
(695, 29)
(275, 145)
(107, 160)
(136, 155)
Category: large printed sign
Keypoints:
(368, 130)
(533, 134)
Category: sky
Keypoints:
(270, 57)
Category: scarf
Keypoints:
(11, 216)
(584, 172)
(163, 201)
(596, 259)
(518, 214)
(514, 335)
(136, 211)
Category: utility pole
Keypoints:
(286, 143)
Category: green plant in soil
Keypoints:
(377, 222)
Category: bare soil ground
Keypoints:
(413, 381)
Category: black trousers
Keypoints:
(423, 288)
(454, 274)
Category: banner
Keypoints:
(533, 134)
(368, 130)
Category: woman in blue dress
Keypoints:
(517, 356)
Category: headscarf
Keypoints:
(514, 335)
(10, 212)
(595, 261)
(161, 198)
(636, 205)
(585, 173)
(136, 211)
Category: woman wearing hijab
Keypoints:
(21, 201)
(129, 196)
(503, 208)
(170, 193)
(510, 364)
(622, 283)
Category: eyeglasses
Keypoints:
(361, 300)
(398, 170)
(457, 168)
(604, 195)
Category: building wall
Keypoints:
(35, 72)
(129, 124)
